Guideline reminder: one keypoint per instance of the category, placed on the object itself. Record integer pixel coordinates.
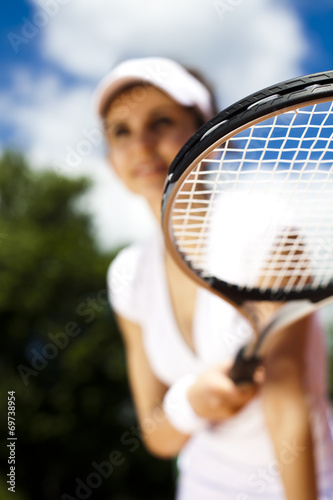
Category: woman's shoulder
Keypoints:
(129, 272)
(130, 259)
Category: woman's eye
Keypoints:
(118, 132)
(115, 131)
(163, 120)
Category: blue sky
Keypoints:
(13, 17)
(46, 85)
(317, 18)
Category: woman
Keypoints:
(234, 442)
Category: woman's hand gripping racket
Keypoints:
(248, 208)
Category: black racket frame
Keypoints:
(300, 91)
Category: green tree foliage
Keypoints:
(60, 352)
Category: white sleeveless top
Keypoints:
(235, 459)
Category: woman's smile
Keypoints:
(150, 168)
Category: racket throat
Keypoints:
(259, 314)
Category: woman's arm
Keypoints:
(213, 396)
(287, 412)
(158, 435)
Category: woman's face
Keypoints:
(144, 136)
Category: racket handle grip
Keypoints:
(243, 368)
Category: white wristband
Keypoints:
(178, 408)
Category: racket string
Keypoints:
(272, 184)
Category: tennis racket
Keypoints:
(247, 209)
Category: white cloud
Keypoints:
(257, 42)
(120, 217)
(252, 45)
(45, 113)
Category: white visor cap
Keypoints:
(163, 74)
